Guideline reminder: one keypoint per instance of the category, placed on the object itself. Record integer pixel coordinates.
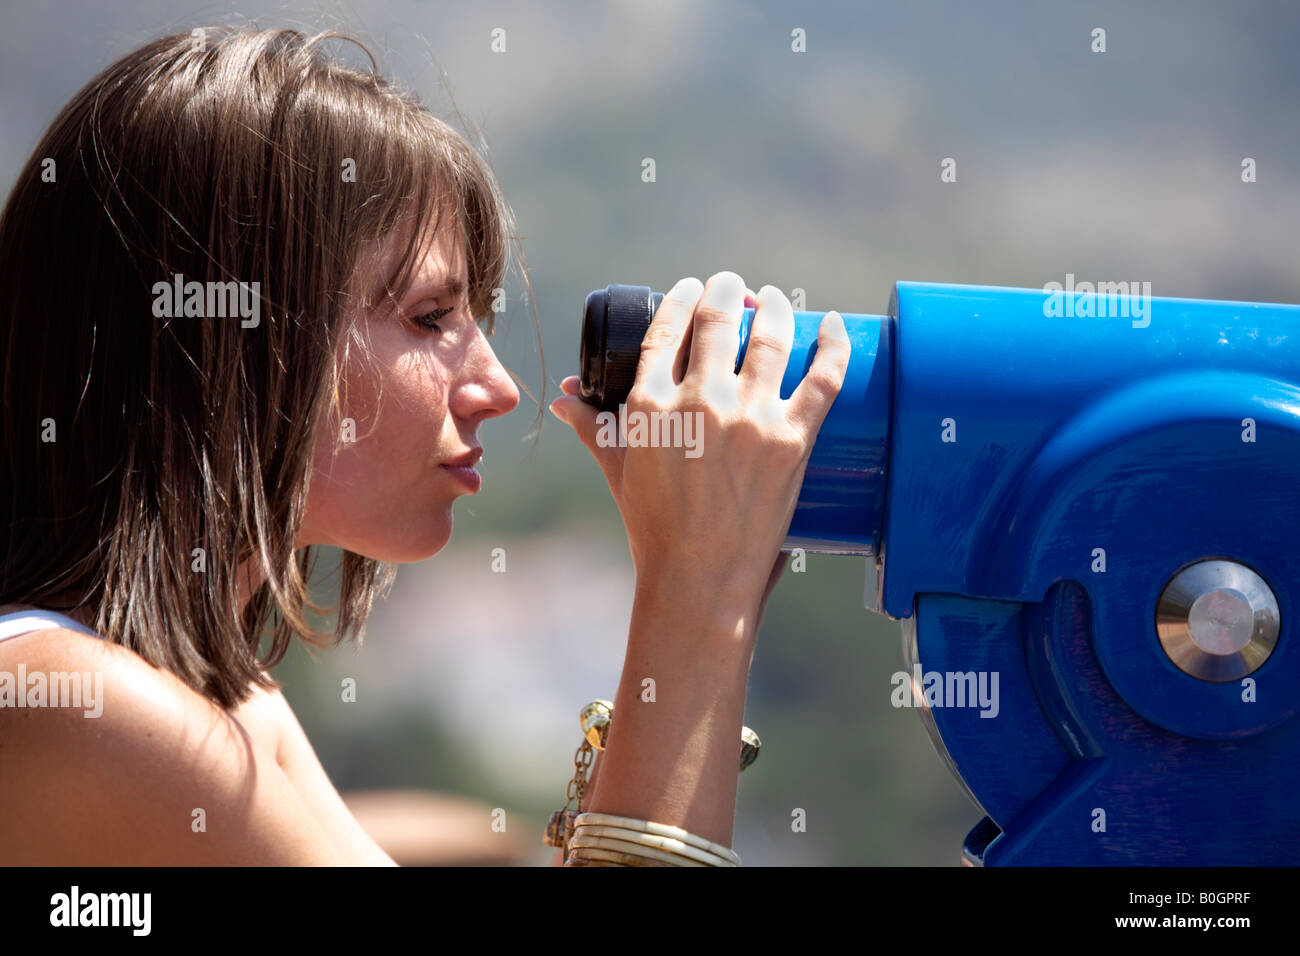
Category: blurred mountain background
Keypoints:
(815, 170)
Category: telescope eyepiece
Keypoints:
(614, 321)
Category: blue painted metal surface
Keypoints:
(1026, 471)
(841, 503)
(1050, 461)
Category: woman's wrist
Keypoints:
(713, 606)
(671, 755)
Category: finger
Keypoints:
(596, 431)
(665, 338)
(683, 354)
(813, 397)
(715, 328)
(571, 385)
(771, 336)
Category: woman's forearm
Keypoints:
(674, 744)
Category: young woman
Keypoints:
(241, 289)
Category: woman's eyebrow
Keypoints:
(429, 289)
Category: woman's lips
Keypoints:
(466, 475)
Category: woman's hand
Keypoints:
(717, 520)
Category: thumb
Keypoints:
(592, 426)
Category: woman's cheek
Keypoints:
(382, 494)
(420, 417)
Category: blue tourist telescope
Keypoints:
(1088, 500)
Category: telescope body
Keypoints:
(1088, 503)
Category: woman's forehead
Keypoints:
(440, 257)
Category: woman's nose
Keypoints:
(487, 391)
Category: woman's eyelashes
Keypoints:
(430, 320)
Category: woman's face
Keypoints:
(405, 416)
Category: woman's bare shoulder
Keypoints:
(108, 760)
(71, 677)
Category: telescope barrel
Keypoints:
(841, 505)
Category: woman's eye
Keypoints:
(430, 320)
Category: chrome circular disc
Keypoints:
(1217, 620)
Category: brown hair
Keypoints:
(129, 440)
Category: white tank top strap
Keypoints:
(31, 619)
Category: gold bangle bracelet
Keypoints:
(659, 829)
(595, 719)
(653, 841)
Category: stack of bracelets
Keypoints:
(601, 839)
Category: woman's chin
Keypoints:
(412, 542)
